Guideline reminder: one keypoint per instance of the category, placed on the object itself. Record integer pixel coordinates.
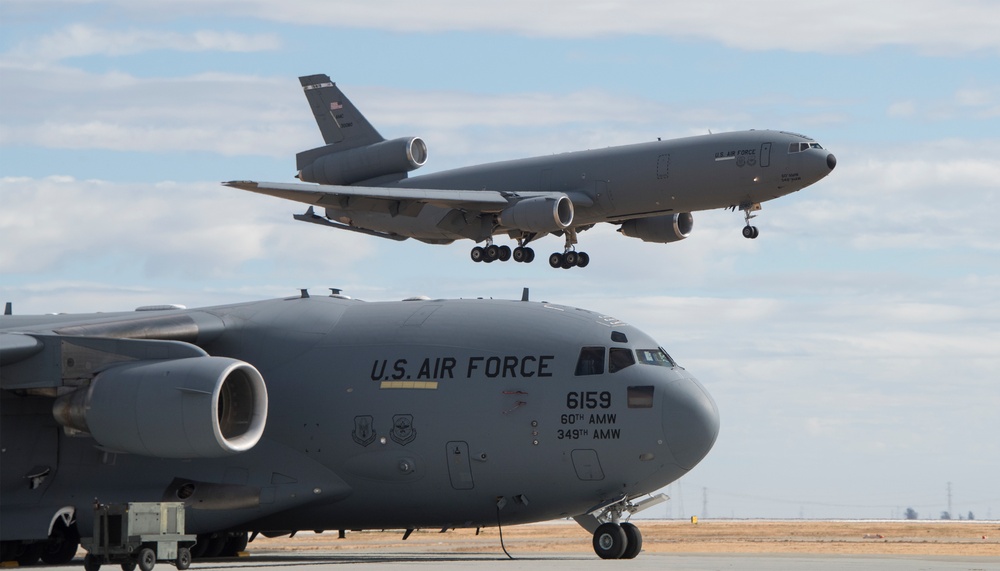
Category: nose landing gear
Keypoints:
(750, 232)
(615, 539)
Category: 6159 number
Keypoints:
(588, 399)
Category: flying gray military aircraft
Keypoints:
(648, 189)
(375, 415)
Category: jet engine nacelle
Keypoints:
(395, 157)
(661, 229)
(199, 407)
(539, 214)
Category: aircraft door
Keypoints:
(765, 154)
(459, 466)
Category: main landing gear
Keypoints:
(569, 258)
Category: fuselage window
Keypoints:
(656, 357)
(619, 358)
(591, 361)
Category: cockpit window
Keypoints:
(619, 358)
(799, 147)
(591, 361)
(656, 357)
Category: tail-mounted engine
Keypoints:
(385, 160)
(198, 407)
(661, 229)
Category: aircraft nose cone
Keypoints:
(831, 161)
(690, 421)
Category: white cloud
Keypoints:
(849, 26)
(80, 40)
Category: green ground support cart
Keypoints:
(138, 534)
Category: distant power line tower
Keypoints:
(949, 499)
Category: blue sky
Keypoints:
(854, 349)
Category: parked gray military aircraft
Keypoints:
(648, 189)
(375, 415)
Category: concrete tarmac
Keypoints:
(415, 560)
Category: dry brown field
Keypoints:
(722, 536)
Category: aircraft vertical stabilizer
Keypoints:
(342, 125)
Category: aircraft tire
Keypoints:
(62, 544)
(755, 233)
(520, 255)
(610, 541)
(530, 257)
(146, 558)
(235, 543)
(492, 253)
(504, 253)
(556, 260)
(570, 259)
(633, 537)
(582, 260)
(477, 254)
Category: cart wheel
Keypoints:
(128, 565)
(183, 558)
(146, 559)
(91, 563)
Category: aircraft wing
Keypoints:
(395, 200)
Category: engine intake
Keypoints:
(396, 157)
(539, 214)
(661, 229)
(199, 407)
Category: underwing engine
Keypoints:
(539, 214)
(198, 407)
(660, 229)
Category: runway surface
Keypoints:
(318, 561)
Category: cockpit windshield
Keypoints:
(657, 357)
(799, 147)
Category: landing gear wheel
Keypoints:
(62, 544)
(146, 559)
(477, 254)
(633, 538)
(91, 562)
(582, 259)
(492, 253)
(519, 255)
(236, 543)
(29, 554)
(748, 232)
(504, 254)
(570, 259)
(183, 558)
(556, 260)
(610, 541)
(531, 256)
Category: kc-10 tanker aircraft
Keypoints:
(328, 413)
(649, 189)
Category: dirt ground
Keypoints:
(721, 536)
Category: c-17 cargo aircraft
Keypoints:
(328, 413)
(649, 189)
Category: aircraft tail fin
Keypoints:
(340, 122)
